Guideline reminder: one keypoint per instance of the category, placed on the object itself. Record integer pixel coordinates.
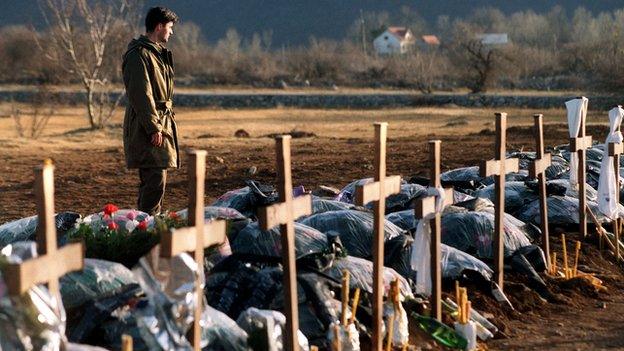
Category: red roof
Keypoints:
(399, 32)
(430, 39)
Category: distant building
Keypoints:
(428, 42)
(493, 39)
(394, 40)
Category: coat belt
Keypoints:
(163, 105)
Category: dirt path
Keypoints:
(90, 172)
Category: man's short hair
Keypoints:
(157, 15)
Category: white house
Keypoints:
(493, 39)
(394, 40)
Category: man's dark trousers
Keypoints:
(151, 189)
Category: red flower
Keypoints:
(142, 225)
(113, 226)
(109, 209)
(173, 215)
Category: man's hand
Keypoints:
(157, 139)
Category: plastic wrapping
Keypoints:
(253, 241)
(349, 338)
(222, 333)
(97, 279)
(355, 229)
(247, 199)
(400, 327)
(453, 263)
(517, 194)
(396, 202)
(608, 185)
(236, 221)
(405, 220)
(473, 232)
(25, 229)
(420, 260)
(469, 178)
(558, 165)
(33, 321)
(256, 322)
(80, 347)
(361, 272)
(323, 205)
(562, 210)
(469, 332)
(169, 287)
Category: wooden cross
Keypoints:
(615, 150)
(52, 262)
(377, 192)
(196, 237)
(499, 167)
(284, 214)
(426, 207)
(580, 144)
(537, 170)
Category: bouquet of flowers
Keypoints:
(122, 236)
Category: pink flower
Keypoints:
(113, 226)
(132, 215)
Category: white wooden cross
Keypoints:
(615, 150)
(580, 144)
(425, 208)
(177, 241)
(377, 192)
(284, 214)
(52, 262)
(537, 170)
(499, 167)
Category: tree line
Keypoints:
(84, 40)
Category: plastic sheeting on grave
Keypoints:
(562, 211)
(592, 163)
(166, 316)
(235, 285)
(34, 320)
(355, 229)
(253, 241)
(246, 200)
(320, 205)
(25, 228)
(222, 333)
(517, 194)
(405, 220)
(97, 279)
(396, 202)
(361, 275)
(558, 165)
(473, 232)
(266, 326)
(468, 178)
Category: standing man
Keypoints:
(150, 132)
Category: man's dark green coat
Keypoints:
(148, 77)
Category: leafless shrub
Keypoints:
(31, 121)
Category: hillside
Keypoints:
(294, 21)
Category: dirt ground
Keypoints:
(90, 172)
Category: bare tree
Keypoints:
(31, 122)
(79, 42)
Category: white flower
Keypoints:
(131, 225)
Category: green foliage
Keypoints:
(119, 244)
